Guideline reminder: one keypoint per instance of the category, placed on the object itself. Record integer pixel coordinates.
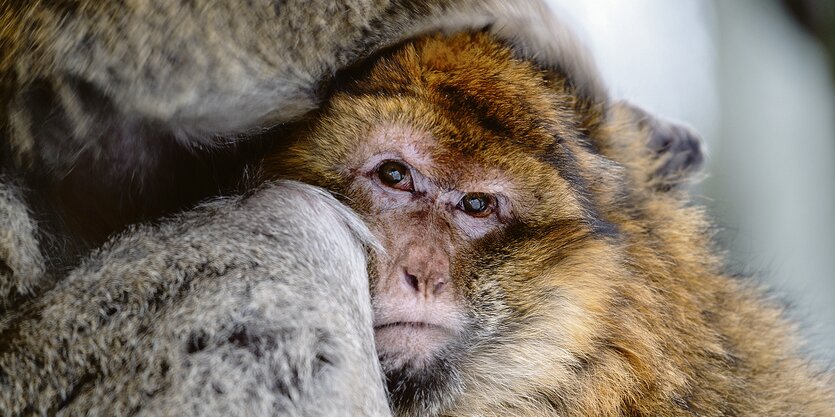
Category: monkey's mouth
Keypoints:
(412, 342)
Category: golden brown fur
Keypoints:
(603, 296)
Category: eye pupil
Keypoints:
(475, 203)
(392, 173)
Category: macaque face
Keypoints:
(423, 212)
(449, 150)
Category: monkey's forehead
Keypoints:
(474, 84)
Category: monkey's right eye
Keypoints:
(395, 175)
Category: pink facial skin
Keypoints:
(421, 220)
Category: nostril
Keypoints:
(411, 280)
(439, 287)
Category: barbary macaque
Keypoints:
(540, 259)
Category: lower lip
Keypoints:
(410, 340)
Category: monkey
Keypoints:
(240, 316)
(541, 256)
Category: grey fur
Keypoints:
(230, 310)
(21, 262)
(214, 66)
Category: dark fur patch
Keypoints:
(5, 269)
(62, 7)
(459, 102)
(81, 382)
(124, 171)
(347, 80)
(197, 341)
(565, 162)
(417, 391)
(551, 401)
(278, 5)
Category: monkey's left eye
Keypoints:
(477, 204)
(395, 175)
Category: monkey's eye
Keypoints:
(395, 175)
(477, 204)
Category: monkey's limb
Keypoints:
(215, 66)
(255, 306)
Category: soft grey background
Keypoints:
(759, 90)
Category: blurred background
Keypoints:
(756, 79)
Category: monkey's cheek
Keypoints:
(410, 344)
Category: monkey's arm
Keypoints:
(255, 306)
(218, 66)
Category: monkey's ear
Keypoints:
(666, 154)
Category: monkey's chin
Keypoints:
(410, 344)
(424, 387)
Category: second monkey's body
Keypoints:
(540, 261)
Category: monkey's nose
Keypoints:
(424, 283)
